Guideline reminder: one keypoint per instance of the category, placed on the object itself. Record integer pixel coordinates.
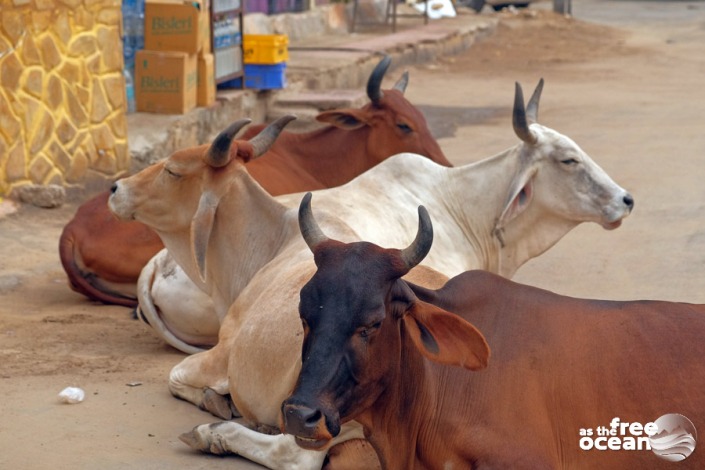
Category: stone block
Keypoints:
(65, 131)
(15, 168)
(30, 53)
(62, 27)
(100, 108)
(42, 132)
(39, 168)
(10, 124)
(47, 196)
(33, 81)
(51, 55)
(83, 45)
(54, 92)
(13, 24)
(10, 72)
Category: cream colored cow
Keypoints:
(495, 215)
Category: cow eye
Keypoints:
(569, 161)
(172, 173)
(404, 128)
(369, 330)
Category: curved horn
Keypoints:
(374, 91)
(219, 152)
(402, 82)
(312, 233)
(532, 108)
(419, 248)
(262, 141)
(521, 126)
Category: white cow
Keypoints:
(477, 219)
(243, 247)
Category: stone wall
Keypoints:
(62, 94)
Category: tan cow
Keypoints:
(571, 383)
(103, 257)
(243, 247)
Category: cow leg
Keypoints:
(202, 380)
(276, 452)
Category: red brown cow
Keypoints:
(572, 383)
(103, 256)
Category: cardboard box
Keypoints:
(165, 81)
(174, 25)
(204, 35)
(206, 80)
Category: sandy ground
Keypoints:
(629, 90)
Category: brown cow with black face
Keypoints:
(376, 351)
(103, 256)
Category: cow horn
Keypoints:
(218, 154)
(312, 233)
(532, 109)
(419, 248)
(262, 141)
(402, 82)
(374, 84)
(521, 126)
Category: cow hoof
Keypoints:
(216, 404)
(204, 439)
(193, 440)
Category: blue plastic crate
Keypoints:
(260, 77)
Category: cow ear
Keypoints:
(348, 119)
(201, 228)
(446, 338)
(518, 199)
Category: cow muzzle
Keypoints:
(117, 203)
(624, 208)
(308, 426)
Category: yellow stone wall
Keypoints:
(62, 94)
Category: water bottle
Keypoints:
(132, 29)
(139, 25)
(129, 91)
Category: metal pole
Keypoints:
(563, 6)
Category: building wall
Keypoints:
(62, 94)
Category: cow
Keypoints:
(413, 366)
(103, 257)
(243, 247)
(505, 209)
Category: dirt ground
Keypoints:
(629, 90)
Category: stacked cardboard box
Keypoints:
(174, 72)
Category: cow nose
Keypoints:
(113, 188)
(629, 201)
(301, 420)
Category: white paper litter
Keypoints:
(72, 395)
(437, 8)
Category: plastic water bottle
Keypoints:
(132, 29)
(133, 41)
(129, 91)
